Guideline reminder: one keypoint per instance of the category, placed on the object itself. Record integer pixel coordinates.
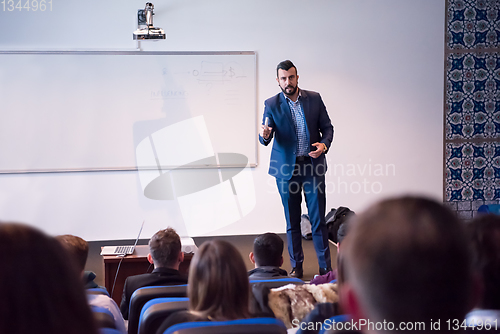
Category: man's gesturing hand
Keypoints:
(265, 131)
(320, 148)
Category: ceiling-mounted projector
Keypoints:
(146, 30)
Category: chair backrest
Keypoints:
(240, 326)
(109, 331)
(156, 310)
(103, 317)
(489, 208)
(97, 291)
(277, 282)
(143, 295)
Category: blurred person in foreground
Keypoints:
(406, 263)
(484, 235)
(41, 292)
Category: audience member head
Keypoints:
(267, 250)
(77, 248)
(165, 249)
(406, 260)
(218, 284)
(40, 291)
(484, 233)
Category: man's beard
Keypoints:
(291, 92)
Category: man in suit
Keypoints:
(302, 132)
(166, 256)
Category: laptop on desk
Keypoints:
(121, 250)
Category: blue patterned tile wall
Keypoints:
(473, 96)
(472, 171)
(472, 105)
(473, 24)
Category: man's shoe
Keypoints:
(324, 271)
(297, 272)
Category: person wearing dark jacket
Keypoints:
(166, 256)
(267, 256)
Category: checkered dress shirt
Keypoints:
(300, 126)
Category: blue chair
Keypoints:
(240, 326)
(103, 317)
(490, 208)
(143, 295)
(97, 291)
(157, 310)
(277, 282)
(327, 324)
(109, 331)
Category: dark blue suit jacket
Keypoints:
(159, 276)
(319, 129)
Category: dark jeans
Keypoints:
(305, 180)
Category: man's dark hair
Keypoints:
(268, 250)
(77, 248)
(484, 234)
(407, 259)
(285, 65)
(165, 247)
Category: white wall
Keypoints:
(377, 64)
